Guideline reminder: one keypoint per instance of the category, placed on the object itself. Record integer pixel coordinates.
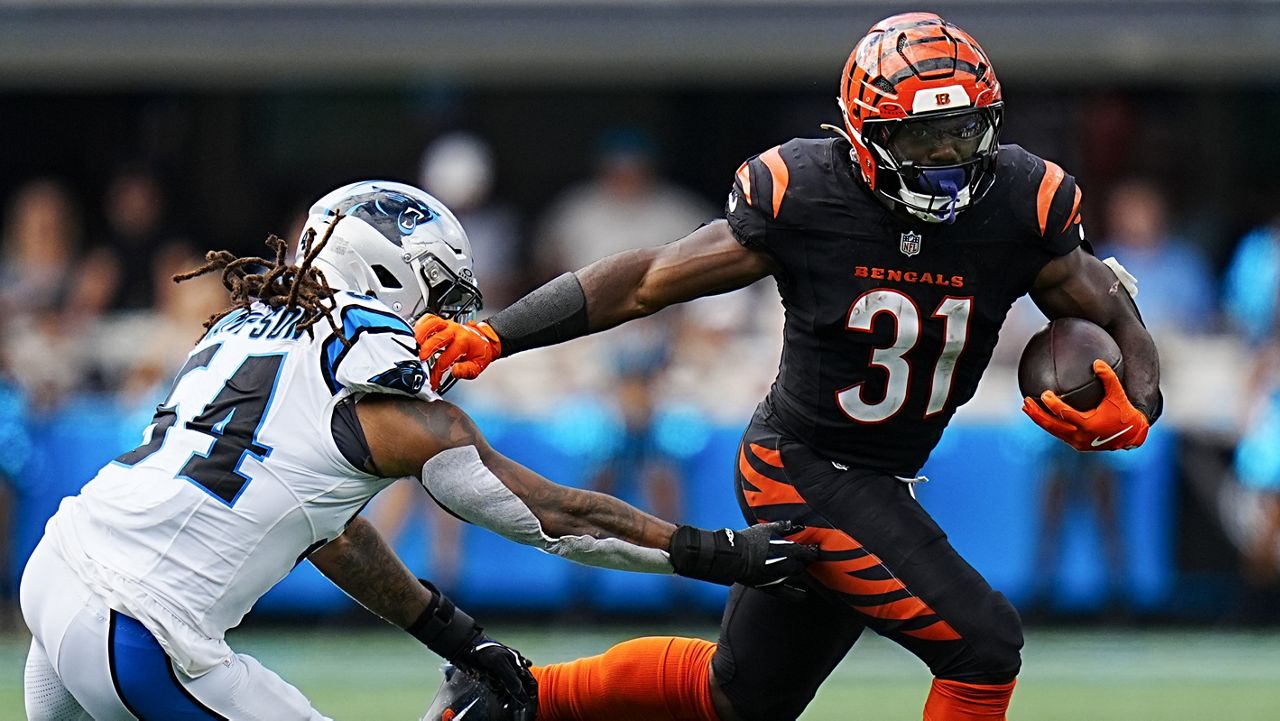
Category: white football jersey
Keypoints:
(239, 476)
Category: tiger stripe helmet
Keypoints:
(918, 74)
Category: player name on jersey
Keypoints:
(278, 323)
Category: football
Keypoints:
(1059, 358)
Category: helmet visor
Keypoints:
(942, 140)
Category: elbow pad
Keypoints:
(460, 482)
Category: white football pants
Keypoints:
(88, 661)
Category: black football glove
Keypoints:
(756, 556)
(505, 671)
(455, 636)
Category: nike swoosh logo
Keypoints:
(411, 349)
(1099, 441)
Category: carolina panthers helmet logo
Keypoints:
(393, 214)
(410, 217)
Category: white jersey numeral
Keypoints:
(956, 332)
(906, 316)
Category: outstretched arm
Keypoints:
(637, 283)
(609, 292)
(404, 434)
(365, 568)
(408, 437)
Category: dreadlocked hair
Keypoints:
(275, 283)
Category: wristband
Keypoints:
(694, 554)
(552, 314)
(443, 627)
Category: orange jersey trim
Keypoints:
(744, 179)
(771, 493)
(772, 159)
(1074, 216)
(836, 575)
(1053, 175)
(910, 607)
(937, 631)
(829, 539)
(772, 457)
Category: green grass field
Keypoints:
(1109, 675)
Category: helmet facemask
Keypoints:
(914, 153)
(448, 294)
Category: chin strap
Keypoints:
(838, 131)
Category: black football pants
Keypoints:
(884, 564)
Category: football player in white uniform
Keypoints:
(301, 402)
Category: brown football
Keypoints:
(1059, 358)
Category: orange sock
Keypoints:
(645, 679)
(955, 701)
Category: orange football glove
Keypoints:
(462, 350)
(1115, 424)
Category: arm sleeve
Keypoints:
(381, 355)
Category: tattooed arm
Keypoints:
(366, 569)
(364, 566)
(408, 436)
(404, 434)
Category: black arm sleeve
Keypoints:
(552, 314)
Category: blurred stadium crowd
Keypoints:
(93, 328)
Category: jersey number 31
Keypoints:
(954, 311)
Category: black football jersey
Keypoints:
(889, 322)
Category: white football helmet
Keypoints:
(397, 243)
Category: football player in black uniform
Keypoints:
(898, 248)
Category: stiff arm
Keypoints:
(630, 285)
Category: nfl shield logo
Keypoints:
(910, 243)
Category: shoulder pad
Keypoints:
(778, 179)
(1044, 196)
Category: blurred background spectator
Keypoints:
(1257, 466)
(627, 204)
(1177, 292)
(53, 292)
(459, 168)
(1083, 481)
(1252, 293)
(135, 234)
(638, 469)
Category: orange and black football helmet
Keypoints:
(922, 108)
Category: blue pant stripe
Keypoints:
(144, 678)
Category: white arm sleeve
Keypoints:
(458, 480)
